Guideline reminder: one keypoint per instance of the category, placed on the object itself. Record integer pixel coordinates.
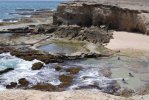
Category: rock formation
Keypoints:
(97, 14)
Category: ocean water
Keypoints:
(7, 7)
(48, 74)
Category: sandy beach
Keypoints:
(66, 95)
(125, 41)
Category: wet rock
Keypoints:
(66, 81)
(6, 70)
(73, 70)
(23, 82)
(44, 87)
(58, 67)
(126, 92)
(37, 66)
(12, 85)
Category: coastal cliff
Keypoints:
(96, 14)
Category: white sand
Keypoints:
(128, 40)
(66, 95)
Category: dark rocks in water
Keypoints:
(37, 66)
(6, 70)
(23, 82)
(73, 70)
(12, 85)
(44, 87)
(58, 67)
(66, 80)
(126, 92)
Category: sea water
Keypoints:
(7, 7)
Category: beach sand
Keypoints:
(129, 40)
(66, 95)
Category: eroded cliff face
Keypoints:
(88, 14)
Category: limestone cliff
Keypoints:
(92, 13)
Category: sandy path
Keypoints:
(127, 40)
(66, 95)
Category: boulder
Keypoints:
(66, 81)
(58, 67)
(37, 66)
(23, 82)
(11, 85)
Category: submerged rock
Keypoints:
(66, 81)
(73, 70)
(37, 66)
(58, 67)
(23, 82)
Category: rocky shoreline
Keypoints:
(87, 23)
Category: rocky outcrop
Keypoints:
(37, 66)
(114, 17)
(90, 34)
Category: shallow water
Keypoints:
(91, 69)
(121, 68)
(48, 74)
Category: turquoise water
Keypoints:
(7, 7)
